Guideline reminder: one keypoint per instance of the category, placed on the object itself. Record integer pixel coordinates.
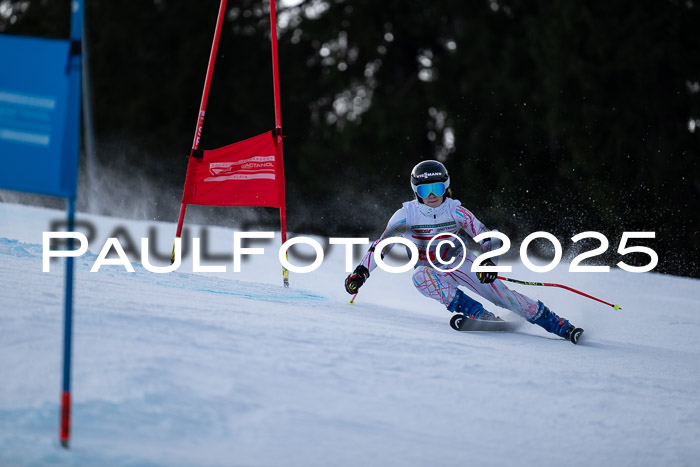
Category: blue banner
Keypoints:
(39, 116)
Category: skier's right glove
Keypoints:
(355, 280)
(487, 277)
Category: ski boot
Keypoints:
(548, 320)
(470, 308)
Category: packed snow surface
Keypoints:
(233, 369)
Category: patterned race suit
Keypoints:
(419, 223)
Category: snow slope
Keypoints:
(232, 369)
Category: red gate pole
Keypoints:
(202, 110)
(275, 66)
(278, 133)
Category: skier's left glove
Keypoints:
(487, 277)
(355, 280)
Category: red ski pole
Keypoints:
(546, 284)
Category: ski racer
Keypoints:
(431, 213)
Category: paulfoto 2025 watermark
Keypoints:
(444, 240)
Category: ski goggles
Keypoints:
(437, 188)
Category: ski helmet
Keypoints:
(428, 172)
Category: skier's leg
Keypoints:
(434, 285)
(441, 287)
(498, 293)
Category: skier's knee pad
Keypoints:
(433, 284)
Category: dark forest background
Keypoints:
(550, 115)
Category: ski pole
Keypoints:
(546, 284)
(352, 300)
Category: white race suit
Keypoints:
(419, 223)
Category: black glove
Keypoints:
(355, 280)
(487, 277)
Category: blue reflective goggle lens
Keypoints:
(438, 188)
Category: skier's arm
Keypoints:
(395, 227)
(473, 226)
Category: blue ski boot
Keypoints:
(556, 325)
(470, 308)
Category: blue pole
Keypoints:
(67, 334)
(73, 146)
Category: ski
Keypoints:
(459, 322)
